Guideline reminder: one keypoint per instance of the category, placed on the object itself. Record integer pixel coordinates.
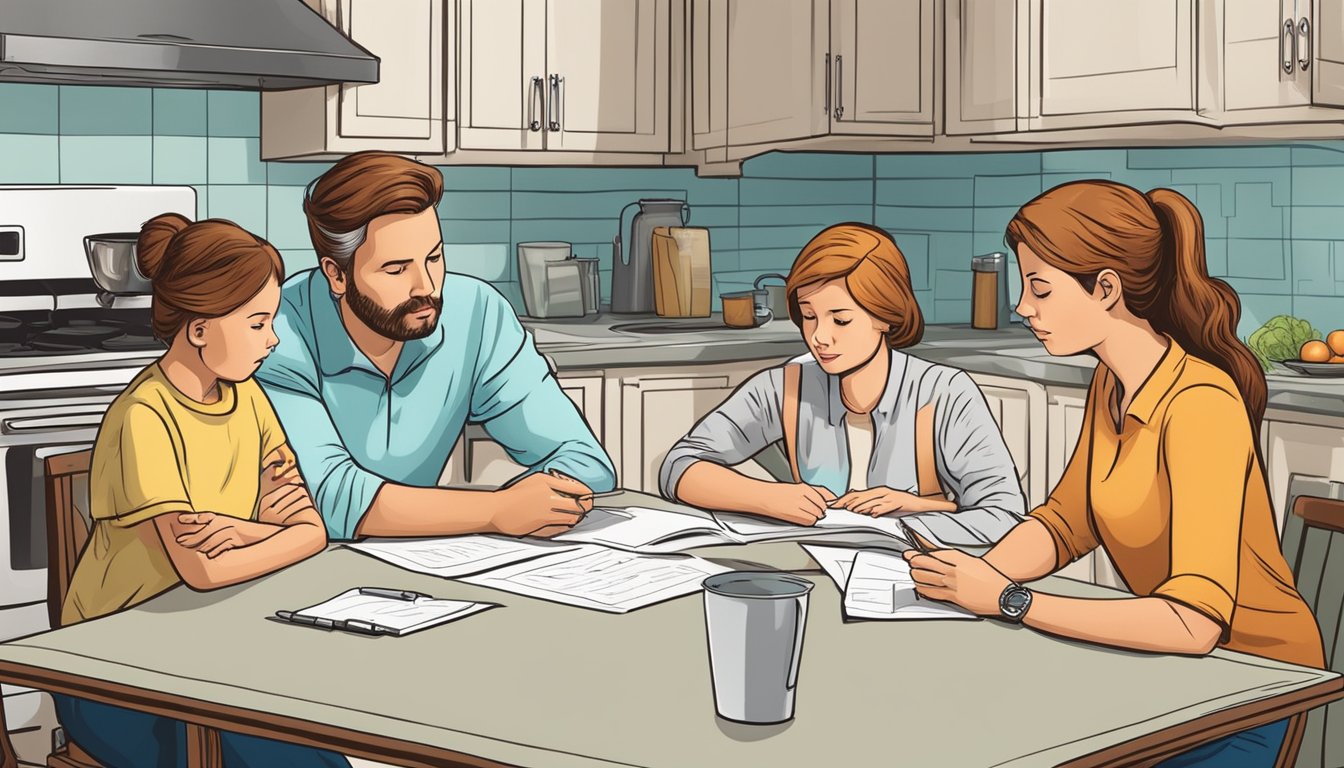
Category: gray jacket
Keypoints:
(973, 463)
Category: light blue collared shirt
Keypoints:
(352, 428)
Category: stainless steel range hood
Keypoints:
(237, 44)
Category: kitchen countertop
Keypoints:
(615, 341)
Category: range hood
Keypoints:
(233, 44)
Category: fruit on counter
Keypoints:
(1314, 351)
(1281, 338)
(1336, 359)
(1336, 343)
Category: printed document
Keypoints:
(603, 579)
(453, 556)
(647, 530)
(389, 615)
(877, 585)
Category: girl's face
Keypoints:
(841, 335)
(233, 346)
(1064, 316)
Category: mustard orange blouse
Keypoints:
(1178, 498)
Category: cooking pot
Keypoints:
(112, 262)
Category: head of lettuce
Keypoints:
(1280, 339)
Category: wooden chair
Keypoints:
(67, 478)
(1313, 529)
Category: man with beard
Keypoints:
(373, 390)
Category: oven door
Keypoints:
(26, 441)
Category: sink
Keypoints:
(673, 326)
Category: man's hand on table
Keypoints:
(540, 505)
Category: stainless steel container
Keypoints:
(112, 262)
(589, 282)
(989, 291)
(532, 260)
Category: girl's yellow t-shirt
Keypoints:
(160, 452)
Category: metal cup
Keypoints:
(754, 621)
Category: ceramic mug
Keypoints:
(745, 309)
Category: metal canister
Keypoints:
(989, 291)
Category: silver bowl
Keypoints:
(112, 262)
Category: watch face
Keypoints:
(1015, 602)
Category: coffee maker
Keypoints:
(632, 271)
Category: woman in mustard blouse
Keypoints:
(1167, 475)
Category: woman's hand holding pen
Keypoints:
(956, 577)
(797, 503)
(889, 501)
(541, 504)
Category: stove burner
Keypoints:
(131, 342)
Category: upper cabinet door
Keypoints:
(776, 70)
(1259, 63)
(409, 109)
(708, 87)
(1325, 35)
(608, 75)
(986, 72)
(882, 60)
(1103, 57)
(407, 100)
(503, 74)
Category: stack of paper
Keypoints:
(835, 521)
(877, 585)
(454, 556)
(642, 529)
(604, 579)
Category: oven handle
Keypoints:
(64, 421)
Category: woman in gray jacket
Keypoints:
(865, 426)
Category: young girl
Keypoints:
(1167, 475)
(867, 427)
(191, 480)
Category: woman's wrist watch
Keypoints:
(1014, 602)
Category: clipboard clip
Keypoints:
(357, 626)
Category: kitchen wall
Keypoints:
(1274, 215)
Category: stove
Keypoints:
(66, 350)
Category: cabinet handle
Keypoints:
(839, 88)
(535, 97)
(1304, 36)
(555, 102)
(1287, 41)
(826, 106)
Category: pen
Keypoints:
(602, 495)
(349, 625)
(915, 541)
(393, 594)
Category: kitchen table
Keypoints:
(536, 683)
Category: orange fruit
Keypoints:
(1336, 342)
(1336, 359)
(1314, 351)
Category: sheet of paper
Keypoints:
(880, 587)
(835, 521)
(401, 616)
(453, 556)
(642, 529)
(602, 579)
(835, 561)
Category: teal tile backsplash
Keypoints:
(1274, 215)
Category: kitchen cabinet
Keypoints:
(1301, 447)
(409, 110)
(577, 75)
(987, 66)
(655, 408)
(1019, 407)
(1274, 59)
(1099, 60)
(766, 71)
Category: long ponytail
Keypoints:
(1201, 312)
(1155, 242)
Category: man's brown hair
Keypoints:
(360, 188)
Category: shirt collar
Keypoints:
(1158, 383)
(895, 377)
(336, 351)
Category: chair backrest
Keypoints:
(1313, 543)
(68, 523)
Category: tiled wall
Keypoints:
(1274, 215)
